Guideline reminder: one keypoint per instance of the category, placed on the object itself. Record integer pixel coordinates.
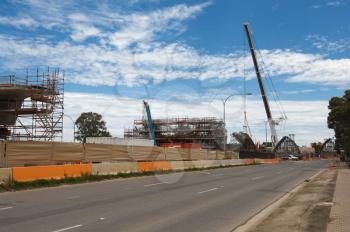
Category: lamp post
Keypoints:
(73, 125)
(224, 100)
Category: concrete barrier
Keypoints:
(154, 166)
(50, 172)
(271, 161)
(5, 175)
(181, 165)
(114, 168)
(76, 170)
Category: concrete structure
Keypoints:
(31, 105)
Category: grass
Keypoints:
(16, 186)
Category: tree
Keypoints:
(339, 120)
(90, 125)
(317, 147)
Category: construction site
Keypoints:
(31, 105)
(206, 133)
(32, 109)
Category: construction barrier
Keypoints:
(50, 172)
(271, 161)
(154, 166)
(249, 161)
(28, 153)
(5, 175)
(23, 174)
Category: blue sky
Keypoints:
(185, 53)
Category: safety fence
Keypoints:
(28, 153)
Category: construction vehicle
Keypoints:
(150, 123)
(271, 121)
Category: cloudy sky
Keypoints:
(184, 57)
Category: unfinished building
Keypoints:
(31, 105)
(181, 132)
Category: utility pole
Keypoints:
(73, 125)
(224, 116)
(271, 122)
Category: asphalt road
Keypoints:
(214, 200)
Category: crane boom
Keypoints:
(150, 123)
(272, 123)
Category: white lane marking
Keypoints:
(102, 218)
(67, 228)
(10, 207)
(278, 172)
(208, 190)
(207, 173)
(73, 197)
(219, 174)
(149, 185)
(257, 177)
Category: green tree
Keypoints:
(90, 124)
(339, 120)
(317, 147)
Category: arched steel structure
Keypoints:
(287, 145)
(245, 140)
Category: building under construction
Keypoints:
(179, 132)
(31, 105)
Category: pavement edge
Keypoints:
(267, 210)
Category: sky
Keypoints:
(184, 57)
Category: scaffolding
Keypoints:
(209, 132)
(31, 105)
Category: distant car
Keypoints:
(292, 157)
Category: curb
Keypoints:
(267, 210)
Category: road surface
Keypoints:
(212, 200)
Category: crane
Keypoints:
(150, 123)
(271, 121)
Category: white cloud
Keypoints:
(142, 28)
(128, 49)
(84, 63)
(324, 44)
(302, 91)
(19, 22)
(334, 3)
(306, 119)
(82, 31)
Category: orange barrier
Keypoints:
(153, 166)
(249, 161)
(271, 161)
(50, 172)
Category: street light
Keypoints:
(224, 105)
(73, 125)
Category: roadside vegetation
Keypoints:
(90, 124)
(339, 121)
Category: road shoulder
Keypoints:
(306, 208)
